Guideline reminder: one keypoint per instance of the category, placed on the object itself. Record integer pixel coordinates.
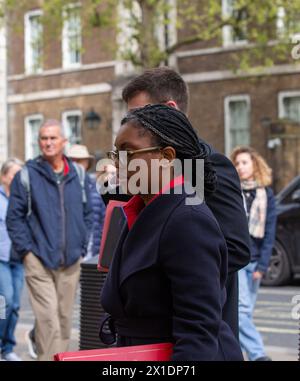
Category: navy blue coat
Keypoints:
(167, 282)
(58, 229)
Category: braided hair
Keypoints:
(171, 127)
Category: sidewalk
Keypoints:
(21, 348)
(276, 353)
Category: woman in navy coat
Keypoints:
(166, 282)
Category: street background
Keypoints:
(273, 318)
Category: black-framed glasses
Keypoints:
(115, 155)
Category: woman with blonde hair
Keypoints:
(256, 178)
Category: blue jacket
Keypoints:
(58, 229)
(5, 242)
(167, 282)
(99, 209)
(261, 248)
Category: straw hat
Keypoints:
(78, 151)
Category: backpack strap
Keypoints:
(81, 175)
(25, 181)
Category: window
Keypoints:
(289, 106)
(71, 38)
(128, 29)
(237, 122)
(32, 126)
(234, 35)
(287, 24)
(72, 126)
(33, 42)
(127, 46)
(280, 22)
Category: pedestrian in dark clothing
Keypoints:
(163, 85)
(11, 269)
(49, 223)
(80, 155)
(167, 279)
(256, 179)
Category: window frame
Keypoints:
(227, 100)
(28, 133)
(65, 115)
(227, 30)
(65, 46)
(282, 28)
(29, 68)
(124, 35)
(281, 96)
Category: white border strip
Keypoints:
(46, 73)
(60, 93)
(220, 75)
(217, 49)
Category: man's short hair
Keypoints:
(51, 123)
(162, 84)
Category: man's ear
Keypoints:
(172, 103)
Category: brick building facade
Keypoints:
(225, 108)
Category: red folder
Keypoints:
(152, 352)
(107, 221)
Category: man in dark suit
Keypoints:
(164, 85)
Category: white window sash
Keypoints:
(125, 32)
(227, 30)
(29, 139)
(68, 35)
(28, 48)
(280, 22)
(282, 114)
(66, 126)
(227, 122)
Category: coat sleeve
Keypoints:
(16, 219)
(228, 208)
(269, 237)
(193, 256)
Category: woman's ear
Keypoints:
(169, 153)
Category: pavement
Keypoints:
(276, 353)
(272, 317)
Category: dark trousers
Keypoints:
(230, 308)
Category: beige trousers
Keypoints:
(52, 295)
